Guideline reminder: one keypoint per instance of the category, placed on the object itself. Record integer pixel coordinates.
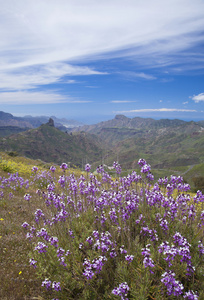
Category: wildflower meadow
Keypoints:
(92, 235)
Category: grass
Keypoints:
(18, 280)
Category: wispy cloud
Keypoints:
(155, 110)
(198, 98)
(43, 42)
(29, 97)
(44, 32)
(122, 101)
(71, 81)
(34, 76)
(136, 75)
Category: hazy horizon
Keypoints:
(102, 120)
(90, 60)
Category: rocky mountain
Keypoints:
(164, 143)
(137, 122)
(122, 127)
(52, 145)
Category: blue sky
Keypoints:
(90, 60)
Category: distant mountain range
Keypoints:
(10, 124)
(165, 144)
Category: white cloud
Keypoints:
(198, 98)
(38, 37)
(186, 102)
(155, 110)
(32, 77)
(38, 32)
(29, 97)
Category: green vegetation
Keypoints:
(52, 145)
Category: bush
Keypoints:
(198, 183)
(13, 153)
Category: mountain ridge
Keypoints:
(163, 143)
(7, 119)
(52, 145)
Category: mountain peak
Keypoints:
(121, 117)
(51, 122)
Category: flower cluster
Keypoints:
(94, 267)
(113, 223)
(51, 285)
(121, 291)
(117, 167)
(174, 287)
(147, 261)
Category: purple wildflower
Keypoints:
(164, 224)
(53, 241)
(113, 253)
(25, 225)
(190, 295)
(64, 166)
(43, 233)
(174, 287)
(33, 262)
(56, 286)
(89, 240)
(147, 261)
(60, 252)
(129, 258)
(201, 248)
(121, 291)
(117, 167)
(41, 247)
(35, 169)
(27, 197)
(52, 169)
(71, 233)
(87, 167)
(142, 162)
(39, 214)
(93, 268)
(122, 250)
(146, 168)
(100, 169)
(62, 261)
(29, 236)
(47, 283)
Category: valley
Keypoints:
(170, 146)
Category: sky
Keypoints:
(90, 60)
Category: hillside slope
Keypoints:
(164, 143)
(51, 145)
